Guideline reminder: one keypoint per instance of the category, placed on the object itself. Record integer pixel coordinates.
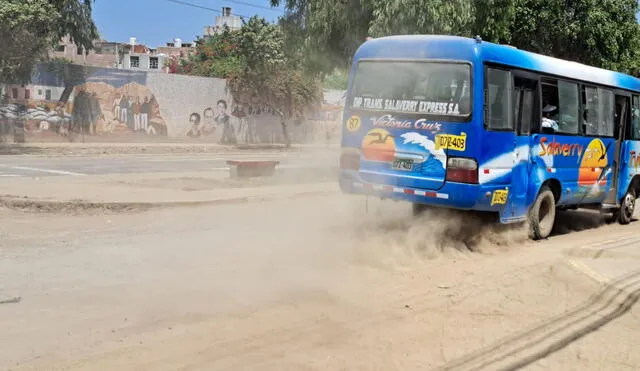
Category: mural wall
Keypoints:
(114, 104)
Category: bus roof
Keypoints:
(463, 48)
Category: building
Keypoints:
(177, 49)
(232, 21)
(104, 54)
(141, 57)
(131, 55)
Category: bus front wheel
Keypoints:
(627, 207)
(542, 214)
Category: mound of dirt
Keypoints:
(76, 207)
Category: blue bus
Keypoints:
(454, 122)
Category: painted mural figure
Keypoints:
(123, 109)
(222, 119)
(116, 106)
(209, 126)
(130, 113)
(144, 115)
(95, 112)
(194, 130)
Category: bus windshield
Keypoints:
(435, 88)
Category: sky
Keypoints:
(156, 22)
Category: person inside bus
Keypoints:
(548, 122)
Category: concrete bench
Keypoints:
(245, 169)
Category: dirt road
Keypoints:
(312, 284)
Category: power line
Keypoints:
(230, 1)
(203, 7)
(254, 5)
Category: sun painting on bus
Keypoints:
(378, 145)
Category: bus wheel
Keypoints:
(627, 207)
(542, 214)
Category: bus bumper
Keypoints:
(451, 195)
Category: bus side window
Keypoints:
(599, 112)
(524, 101)
(498, 100)
(635, 119)
(560, 107)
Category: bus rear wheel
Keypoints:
(627, 207)
(542, 214)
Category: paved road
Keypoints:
(314, 283)
(27, 166)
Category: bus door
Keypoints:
(621, 121)
(525, 108)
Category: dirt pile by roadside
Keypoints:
(77, 207)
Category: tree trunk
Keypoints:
(66, 93)
(285, 133)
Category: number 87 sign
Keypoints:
(353, 123)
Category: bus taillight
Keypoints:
(462, 170)
(350, 159)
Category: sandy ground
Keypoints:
(307, 284)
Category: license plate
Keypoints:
(402, 164)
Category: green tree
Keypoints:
(601, 33)
(268, 78)
(28, 28)
(215, 56)
(492, 20)
(327, 31)
(453, 17)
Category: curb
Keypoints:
(21, 203)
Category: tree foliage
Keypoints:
(260, 70)
(603, 33)
(28, 28)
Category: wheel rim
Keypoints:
(629, 205)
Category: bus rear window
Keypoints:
(432, 88)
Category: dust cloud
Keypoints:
(385, 232)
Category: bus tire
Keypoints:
(627, 207)
(542, 214)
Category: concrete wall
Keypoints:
(141, 105)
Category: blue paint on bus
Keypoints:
(420, 143)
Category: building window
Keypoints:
(153, 63)
(135, 62)
(39, 92)
(14, 92)
(27, 94)
(61, 48)
(79, 51)
(47, 94)
(498, 101)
